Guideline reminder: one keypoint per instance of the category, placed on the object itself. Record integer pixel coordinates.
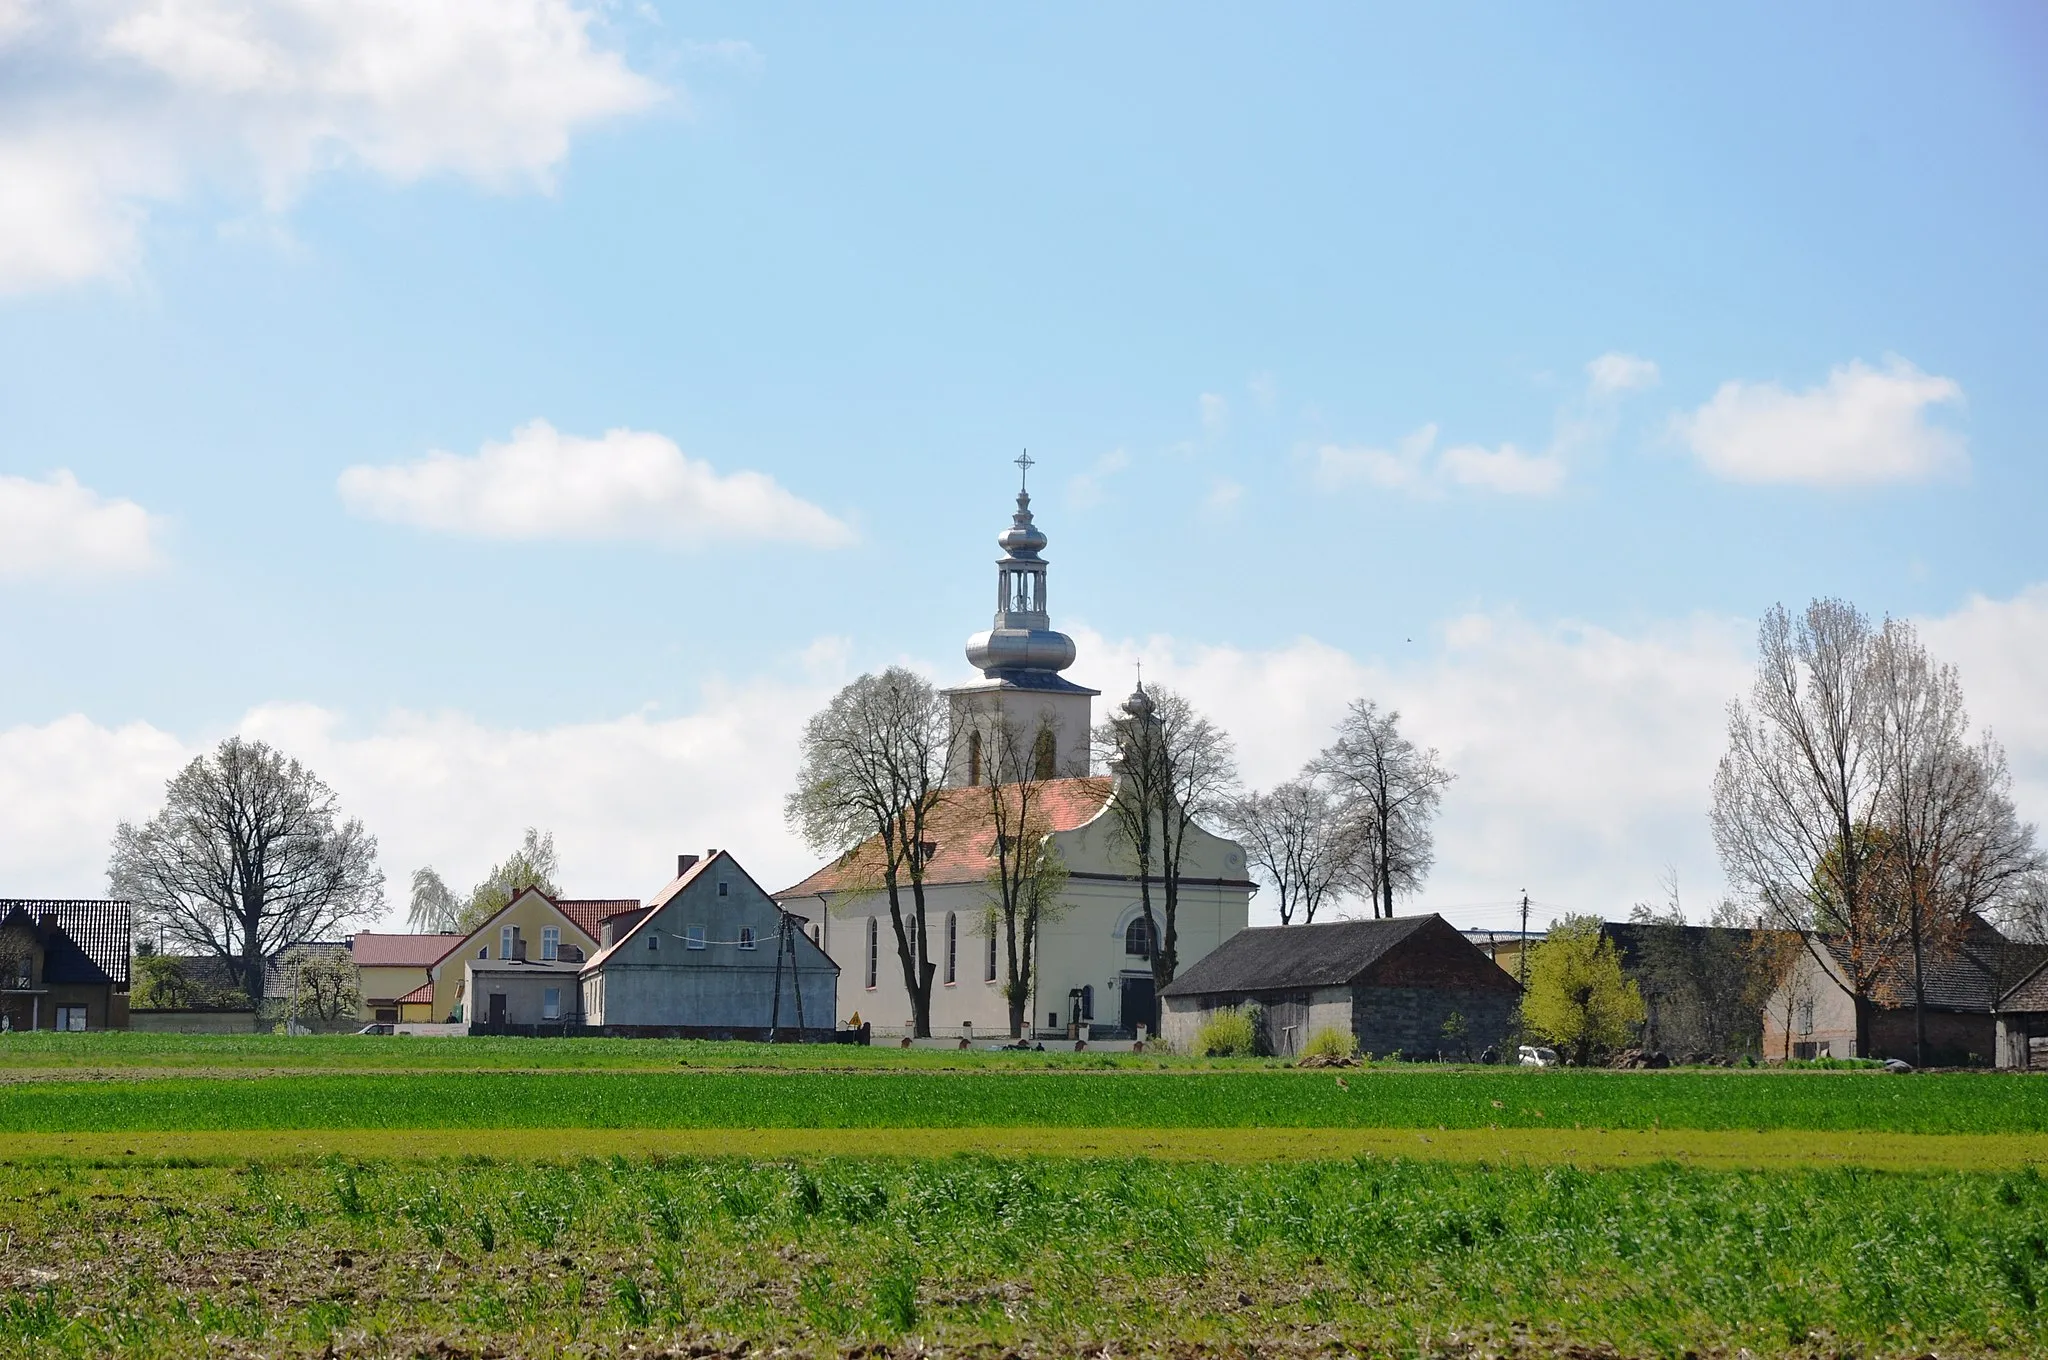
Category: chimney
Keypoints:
(518, 949)
(683, 863)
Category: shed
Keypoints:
(711, 956)
(2023, 1023)
(1394, 984)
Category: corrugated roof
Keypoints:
(1327, 954)
(963, 829)
(372, 950)
(99, 928)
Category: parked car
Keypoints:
(1532, 1056)
(378, 1029)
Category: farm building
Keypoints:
(711, 956)
(1975, 987)
(64, 963)
(1410, 983)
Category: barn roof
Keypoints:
(963, 830)
(1327, 954)
(2031, 994)
(1968, 976)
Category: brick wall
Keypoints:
(1411, 1019)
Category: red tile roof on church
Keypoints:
(964, 831)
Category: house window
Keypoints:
(507, 938)
(1044, 757)
(71, 1017)
(484, 952)
(746, 937)
(874, 949)
(653, 941)
(988, 967)
(952, 948)
(693, 938)
(551, 1003)
(724, 888)
(550, 943)
(1138, 940)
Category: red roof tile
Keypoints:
(422, 995)
(588, 913)
(964, 831)
(371, 950)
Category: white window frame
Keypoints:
(550, 943)
(71, 1019)
(746, 937)
(507, 936)
(693, 937)
(551, 1003)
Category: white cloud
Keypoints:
(1086, 490)
(1584, 757)
(57, 528)
(1215, 413)
(1401, 468)
(1224, 496)
(108, 107)
(1507, 470)
(1264, 389)
(626, 484)
(1863, 425)
(1616, 372)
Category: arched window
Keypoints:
(874, 949)
(974, 757)
(1138, 941)
(952, 948)
(1044, 755)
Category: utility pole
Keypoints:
(1522, 959)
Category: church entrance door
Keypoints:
(1140, 1006)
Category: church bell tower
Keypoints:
(1022, 718)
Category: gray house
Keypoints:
(711, 956)
(1409, 983)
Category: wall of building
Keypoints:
(1182, 1017)
(525, 991)
(37, 1009)
(1020, 713)
(1810, 1015)
(194, 1022)
(531, 913)
(381, 987)
(1410, 1020)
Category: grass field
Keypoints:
(167, 1196)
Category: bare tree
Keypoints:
(1174, 767)
(1801, 789)
(873, 771)
(1390, 789)
(1296, 837)
(434, 909)
(246, 859)
(1953, 843)
(1027, 876)
(320, 983)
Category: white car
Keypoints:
(1531, 1056)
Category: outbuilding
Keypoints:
(1408, 984)
(711, 956)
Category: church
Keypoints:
(1093, 973)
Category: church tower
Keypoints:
(1022, 718)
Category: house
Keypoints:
(64, 963)
(710, 956)
(392, 970)
(1413, 984)
(1093, 968)
(2022, 1023)
(1973, 986)
(532, 928)
(521, 995)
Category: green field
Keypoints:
(165, 1196)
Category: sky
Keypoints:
(527, 412)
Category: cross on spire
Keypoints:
(1025, 462)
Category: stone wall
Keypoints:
(1411, 1019)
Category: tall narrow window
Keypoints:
(1043, 757)
(1088, 1002)
(507, 936)
(874, 949)
(1138, 939)
(550, 943)
(551, 1003)
(974, 757)
(746, 937)
(952, 948)
(693, 938)
(988, 971)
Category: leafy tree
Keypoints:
(1578, 997)
(1390, 789)
(1027, 877)
(165, 982)
(532, 865)
(319, 983)
(434, 909)
(874, 763)
(247, 858)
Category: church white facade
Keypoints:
(1094, 967)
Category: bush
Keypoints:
(1232, 1032)
(1330, 1042)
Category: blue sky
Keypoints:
(1360, 348)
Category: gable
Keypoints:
(1436, 954)
(532, 911)
(695, 900)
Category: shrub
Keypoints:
(1232, 1032)
(1330, 1042)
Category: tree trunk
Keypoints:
(921, 999)
(1020, 977)
(1864, 1011)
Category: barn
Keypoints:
(1412, 984)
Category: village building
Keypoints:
(533, 929)
(394, 973)
(1976, 988)
(64, 963)
(711, 955)
(1093, 971)
(1408, 984)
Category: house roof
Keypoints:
(2030, 993)
(99, 930)
(659, 900)
(372, 950)
(422, 995)
(1327, 954)
(964, 831)
(588, 913)
(1970, 976)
